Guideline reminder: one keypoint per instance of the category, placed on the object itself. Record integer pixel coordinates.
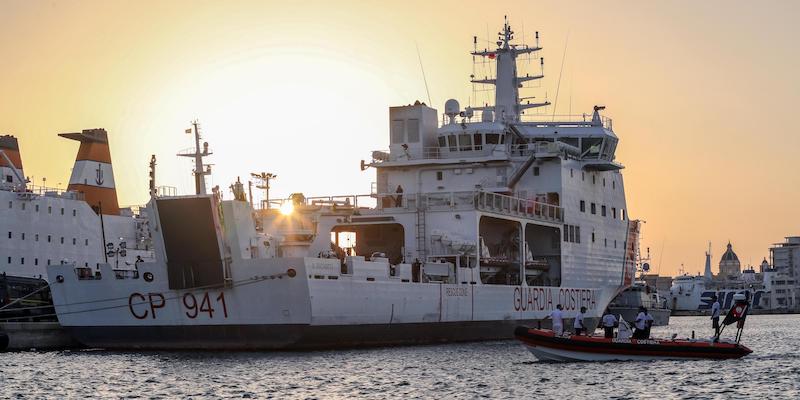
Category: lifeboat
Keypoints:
(547, 346)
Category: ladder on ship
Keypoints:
(421, 242)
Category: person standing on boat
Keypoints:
(580, 328)
(715, 309)
(609, 323)
(643, 323)
(558, 320)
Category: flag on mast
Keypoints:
(189, 130)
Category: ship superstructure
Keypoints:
(81, 226)
(472, 226)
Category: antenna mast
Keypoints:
(200, 170)
(263, 179)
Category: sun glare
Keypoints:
(287, 208)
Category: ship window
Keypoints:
(590, 147)
(583, 176)
(37, 208)
(49, 238)
(23, 235)
(36, 237)
(569, 141)
(48, 261)
(583, 206)
(74, 241)
(10, 204)
(594, 208)
(22, 261)
(74, 213)
(442, 141)
(398, 131)
(604, 182)
(9, 260)
(603, 210)
(35, 261)
(9, 179)
(592, 236)
(9, 234)
(49, 209)
(571, 175)
(62, 210)
(605, 242)
(594, 179)
(614, 212)
(451, 141)
(23, 206)
(614, 185)
(86, 242)
(62, 240)
(622, 213)
(413, 130)
(439, 175)
(566, 233)
(577, 234)
(615, 243)
(477, 140)
(535, 171)
(465, 140)
(571, 233)
(492, 138)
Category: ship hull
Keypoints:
(291, 337)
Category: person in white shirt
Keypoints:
(580, 328)
(715, 309)
(558, 320)
(643, 323)
(609, 323)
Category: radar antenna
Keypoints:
(263, 179)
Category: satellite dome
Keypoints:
(451, 109)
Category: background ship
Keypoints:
(472, 227)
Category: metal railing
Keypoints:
(503, 204)
(544, 120)
(465, 200)
(36, 190)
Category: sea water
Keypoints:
(500, 369)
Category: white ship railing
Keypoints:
(545, 120)
(36, 190)
(465, 200)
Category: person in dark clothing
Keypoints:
(398, 200)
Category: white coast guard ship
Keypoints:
(473, 227)
(41, 226)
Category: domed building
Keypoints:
(729, 265)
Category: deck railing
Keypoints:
(465, 200)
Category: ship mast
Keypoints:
(200, 170)
(507, 107)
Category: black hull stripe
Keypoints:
(289, 337)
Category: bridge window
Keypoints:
(583, 206)
(442, 141)
(465, 140)
(535, 171)
(451, 141)
(413, 130)
(492, 138)
(398, 131)
(594, 208)
(603, 210)
(477, 140)
(439, 175)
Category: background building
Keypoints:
(729, 266)
(786, 261)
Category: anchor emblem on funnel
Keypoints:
(99, 179)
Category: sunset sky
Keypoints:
(703, 96)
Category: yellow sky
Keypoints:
(702, 95)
